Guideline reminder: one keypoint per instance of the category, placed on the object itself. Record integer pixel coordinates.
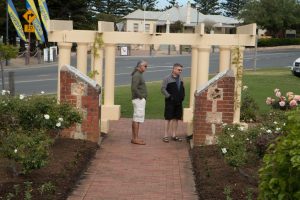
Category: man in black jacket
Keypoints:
(173, 90)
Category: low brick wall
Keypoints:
(83, 93)
(214, 105)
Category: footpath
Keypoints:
(125, 171)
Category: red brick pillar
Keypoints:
(214, 105)
(83, 93)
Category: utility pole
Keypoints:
(6, 40)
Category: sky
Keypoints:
(163, 3)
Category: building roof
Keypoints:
(185, 14)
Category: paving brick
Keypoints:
(122, 170)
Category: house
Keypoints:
(161, 21)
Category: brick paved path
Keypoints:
(122, 170)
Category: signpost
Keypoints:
(29, 16)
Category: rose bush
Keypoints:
(283, 102)
(25, 126)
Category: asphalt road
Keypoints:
(29, 80)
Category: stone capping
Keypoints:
(227, 73)
(82, 76)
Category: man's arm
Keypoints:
(134, 86)
(164, 88)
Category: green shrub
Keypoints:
(270, 42)
(25, 127)
(233, 144)
(29, 149)
(249, 108)
(280, 173)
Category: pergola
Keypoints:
(62, 32)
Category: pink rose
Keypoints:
(278, 94)
(297, 97)
(269, 101)
(282, 103)
(276, 90)
(293, 103)
(289, 94)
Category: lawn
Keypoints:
(261, 84)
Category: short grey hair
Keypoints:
(141, 63)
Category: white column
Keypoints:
(109, 81)
(193, 75)
(224, 58)
(82, 57)
(109, 111)
(63, 59)
(203, 65)
(237, 58)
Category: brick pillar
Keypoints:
(83, 93)
(214, 105)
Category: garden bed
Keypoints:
(68, 159)
(213, 177)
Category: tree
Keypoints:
(139, 4)
(208, 7)
(172, 3)
(232, 8)
(76, 10)
(6, 52)
(274, 15)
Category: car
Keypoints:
(296, 67)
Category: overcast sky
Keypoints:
(163, 3)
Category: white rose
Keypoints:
(224, 150)
(269, 131)
(58, 124)
(42, 92)
(60, 119)
(46, 116)
(232, 135)
(16, 150)
(21, 96)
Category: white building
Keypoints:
(157, 21)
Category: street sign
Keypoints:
(29, 16)
(29, 28)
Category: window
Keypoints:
(147, 27)
(135, 27)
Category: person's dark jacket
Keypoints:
(170, 90)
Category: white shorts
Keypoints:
(138, 110)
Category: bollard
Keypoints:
(39, 55)
(27, 56)
(11, 83)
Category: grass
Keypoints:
(261, 84)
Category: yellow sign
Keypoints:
(29, 16)
(29, 28)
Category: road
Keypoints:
(29, 80)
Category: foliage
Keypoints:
(280, 173)
(25, 126)
(177, 27)
(232, 8)
(283, 102)
(271, 127)
(249, 107)
(208, 7)
(238, 144)
(7, 52)
(270, 42)
(233, 143)
(274, 15)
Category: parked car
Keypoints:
(296, 67)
